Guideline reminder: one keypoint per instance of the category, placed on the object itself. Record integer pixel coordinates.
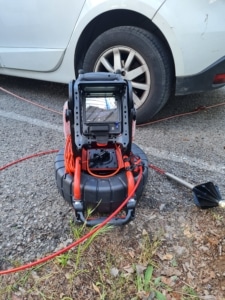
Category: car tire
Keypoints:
(142, 58)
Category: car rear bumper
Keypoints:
(202, 81)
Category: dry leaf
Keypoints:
(167, 256)
(190, 276)
(144, 232)
(166, 280)
(170, 272)
(68, 275)
(96, 288)
(176, 296)
(213, 241)
(131, 253)
(129, 269)
(142, 295)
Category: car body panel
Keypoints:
(34, 34)
(196, 38)
(194, 31)
(36, 59)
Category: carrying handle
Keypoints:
(117, 221)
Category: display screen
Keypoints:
(101, 110)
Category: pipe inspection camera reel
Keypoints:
(99, 166)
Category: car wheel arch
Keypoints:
(107, 21)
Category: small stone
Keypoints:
(114, 272)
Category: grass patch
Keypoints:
(109, 265)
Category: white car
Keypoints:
(162, 46)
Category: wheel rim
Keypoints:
(133, 67)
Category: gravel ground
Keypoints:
(34, 220)
(34, 217)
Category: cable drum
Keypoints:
(104, 194)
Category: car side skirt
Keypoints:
(203, 81)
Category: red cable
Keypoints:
(140, 125)
(31, 102)
(157, 169)
(198, 109)
(80, 240)
(27, 157)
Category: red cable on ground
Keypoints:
(198, 109)
(29, 101)
(27, 157)
(157, 169)
(74, 244)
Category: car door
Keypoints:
(34, 34)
